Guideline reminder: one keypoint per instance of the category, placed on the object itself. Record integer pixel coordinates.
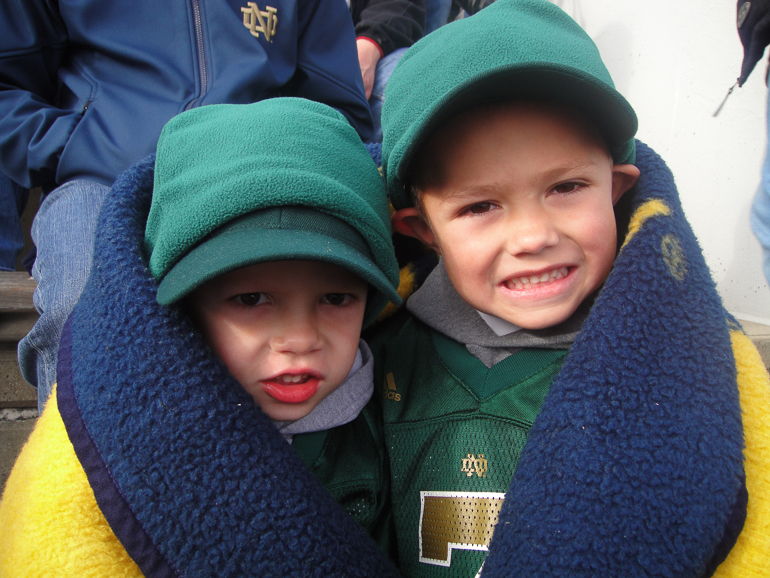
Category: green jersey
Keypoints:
(454, 430)
(350, 462)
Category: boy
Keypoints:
(87, 89)
(506, 148)
(280, 253)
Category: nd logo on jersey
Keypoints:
(477, 465)
(456, 521)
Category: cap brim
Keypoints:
(603, 105)
(226, 252)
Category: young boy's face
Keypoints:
(288, 331)
(519, 202)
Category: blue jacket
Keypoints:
(86, 85)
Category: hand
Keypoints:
(754, 30)
(368, 56)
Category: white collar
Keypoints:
(499, 326)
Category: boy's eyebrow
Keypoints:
(472, 192)
(490, 188)
(558, 171)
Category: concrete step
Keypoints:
(16, 289)
(18, 399)
(760, 336)
(17, 316)
(13, 435)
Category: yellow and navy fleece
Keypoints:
(644, 460)
(164, 466)
(652, 434)
(649, 455)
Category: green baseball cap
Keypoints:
(513, 49)
(279, 234)
(281, 179)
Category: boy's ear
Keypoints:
(623, 178)
(409, 222)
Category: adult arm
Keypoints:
(327, 67)
(391, 24)
(33, 132)
(753, 20)
(383, 26)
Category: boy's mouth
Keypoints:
(527, 281)
(292, 387)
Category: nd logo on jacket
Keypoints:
(258, 21)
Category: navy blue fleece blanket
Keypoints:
(633, 468)
(193, 478)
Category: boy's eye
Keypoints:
(566, 188)
(336, 298)
(250, 299)
(479, 208)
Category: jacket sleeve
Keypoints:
(327, 63)
(33, 131)
(392, 24)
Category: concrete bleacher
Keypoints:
(17, 397)
(17, 316)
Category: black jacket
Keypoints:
(392, 24)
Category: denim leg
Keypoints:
(63, 232)
(13, 199)
(381, 76)
(436, 14)
(760, 209)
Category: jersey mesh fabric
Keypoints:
(350, 462)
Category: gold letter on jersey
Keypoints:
(456, 521)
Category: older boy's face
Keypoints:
(521, 209)
(288, 331)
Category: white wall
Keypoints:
(674, 62)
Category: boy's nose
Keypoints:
(296, 334)
(530, 232)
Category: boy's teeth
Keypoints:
(289, 379)
(521, 282)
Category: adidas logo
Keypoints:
(390, 391)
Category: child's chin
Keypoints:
(288, 413)
(535, 320)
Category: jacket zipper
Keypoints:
(202, 66)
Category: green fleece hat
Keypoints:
(512, 49)
(280, 179)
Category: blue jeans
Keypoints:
(63, 232)
(381, 76)
(760, 209)
(436, 14)
(13, 199)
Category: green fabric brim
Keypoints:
(227, 252)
